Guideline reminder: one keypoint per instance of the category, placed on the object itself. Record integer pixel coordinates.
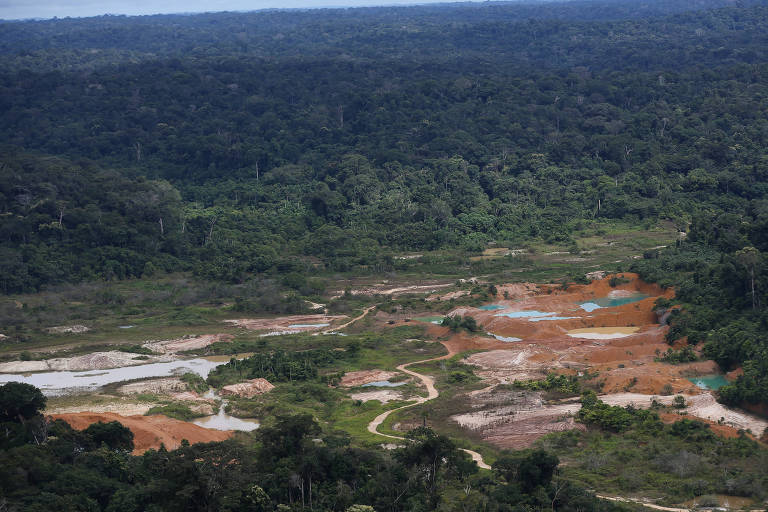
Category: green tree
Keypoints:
(20, 402)
(113, 434)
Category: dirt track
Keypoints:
(343, 326)
(432, 393)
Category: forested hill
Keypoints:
(283, 141)
(325, 32)
(348, 134)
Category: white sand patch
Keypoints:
(68, 329)
(154, 386)
(599, 336)
(186, 343)
(123, 408)
(705, 406)
(382, 396)
(603, 333)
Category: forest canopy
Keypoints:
(235, 145)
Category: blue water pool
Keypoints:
(526, 314)
(611, 302)
(383, 383)
(492, 307)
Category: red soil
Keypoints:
(623, 363)
(149, 431)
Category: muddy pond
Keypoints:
(63, 382)
(223, 421)
(66, 382)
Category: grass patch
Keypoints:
(673, 464)
(174, 410)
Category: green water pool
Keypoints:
(611, 302)
(709, 382)
(430, 319)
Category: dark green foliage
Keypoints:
(276, 366)
(176, 411)
(684, 355)
(195, 382)
(431, 455)
(714, 286)
(65, 222)
(615, 281)
(553, 382)
(529, 470)
(20, 402)
(614, 418)
(293, 462)
(239, 144)
(457, 322)
(113, 434)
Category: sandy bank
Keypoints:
(187, 343)
(94, 361)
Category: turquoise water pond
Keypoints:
(611, 302)
(535, 316)
(526, 314)
(710, 381)
(492, 307)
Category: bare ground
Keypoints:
(383, 395)
(149, 431)
(93, 361)
(361, 377)
(187, 343)
(626, 368)
(286, 324)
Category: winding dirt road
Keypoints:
(340, 327)
(428, 381)
(432, 393)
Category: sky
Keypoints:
(21, 9)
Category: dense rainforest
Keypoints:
(235, 145)
(346, 136)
